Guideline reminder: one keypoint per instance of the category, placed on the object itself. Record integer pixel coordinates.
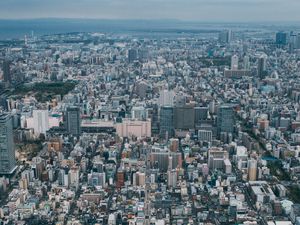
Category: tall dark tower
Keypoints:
(6, 71)
(73, 121)
(281, 38)
(7, 150)
(225, 119)
(166, 122)
(261, 66)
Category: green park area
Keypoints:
(44, 91)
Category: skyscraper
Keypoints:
(281, 38)
(132, 55)
(252, 169)
(225, 119)
(73, 121)
(7, 151)
(225, 36)
(200, 114)
(234, 62)
(41, 121)
(184, 117)
(166, 122)
(246, 62)
(261, 66)
(6, 71)
(166, 98)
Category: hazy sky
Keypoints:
(208, 10)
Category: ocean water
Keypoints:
(14, 29)
(19, 28)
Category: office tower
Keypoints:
(143, 55)
(164, 160)
(37, 166)
(252, 169)
(73, 121)
(261, 66)
(298, 41)
(225, 119)
(166, 122)
(96, 179)
(225, 36)
(6, 71)
(74, 176)
(41, 121)
(166, 98)
(132, 55)
(216, 158)
(246, 62)
(140, 178)
(281, 38)
(120, 178)
(205, 135)
(184, 117)
(7, 150)
(234, 62)
(172, 178)
(138, 113)
(200, 114)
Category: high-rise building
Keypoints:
(6, 71)
(225, 119)
(184, 117)
(73, 121)
(165, 160)
(298, 41)
(225, 36)
(216, 158)
(281, 38)
(7, 150)
(262, 66)
(166, 98)
(172, 178)
(234, 62)
(200, 114)
(166, 122)
(252, 169)
(246, 62)
(41, 121)
(37, 166)
(205, 135)
(132, 55)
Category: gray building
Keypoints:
(7, 150)
(262, 66)
(200, 114)
(6, 71)
(73, 121)
(225, 120)
(166, 121)
(184, 117)
(205, 135)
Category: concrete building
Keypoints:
(252, 169)
(166, 122)
(73, 121)
(41, 121)
(7, 148)
(225, 119)
(134, 128)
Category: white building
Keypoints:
(40, 121)
(166, 98)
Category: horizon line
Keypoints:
(150, 19)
